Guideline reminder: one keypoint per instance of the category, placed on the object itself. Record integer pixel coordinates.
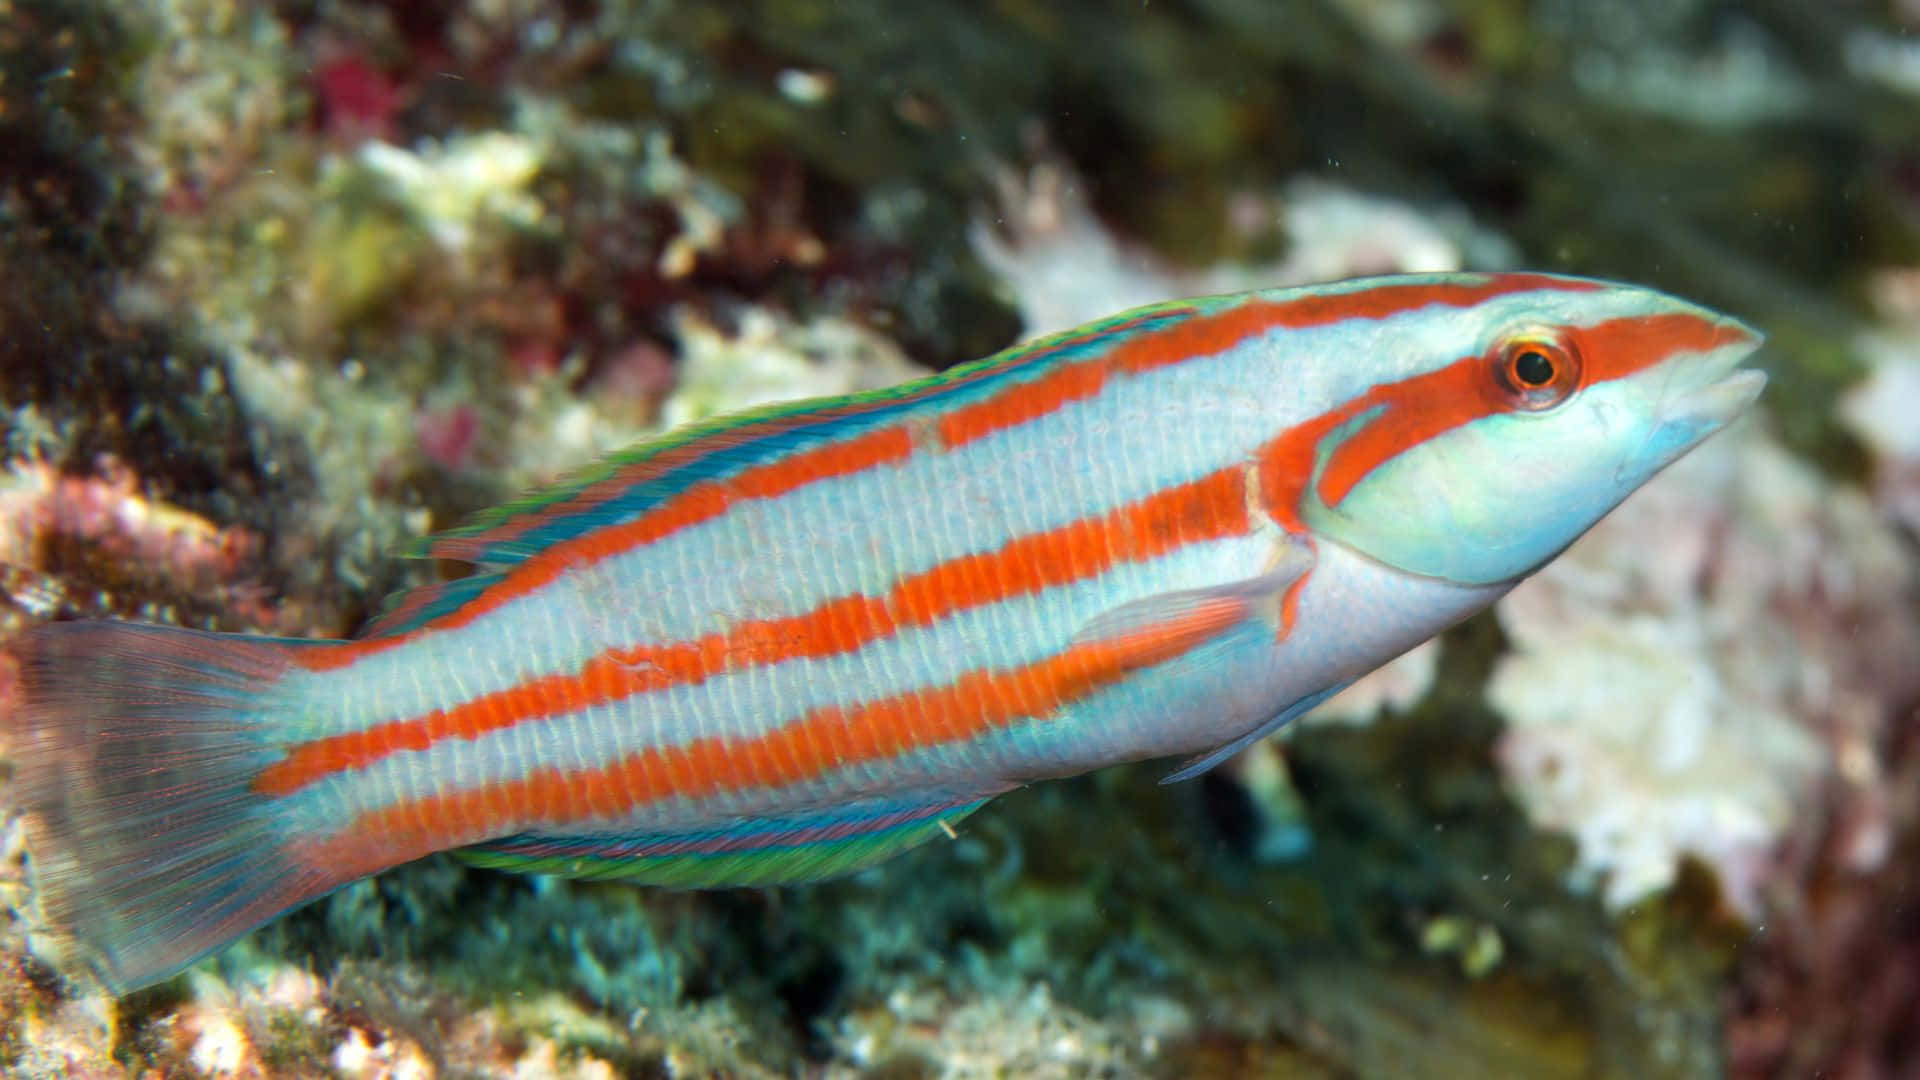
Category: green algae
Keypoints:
(293, 1045)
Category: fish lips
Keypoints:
(1705, 390)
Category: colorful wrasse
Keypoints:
(793, 643)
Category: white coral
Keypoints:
(771, 359)
(1685, 676)
(1880, 412)
(1064, 267)
(453, 188)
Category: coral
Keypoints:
(1828, 986)
(1884, 58)
(1021, 1032)
(96, 545)
(468, 185)
(1066, 267)
(40, 507)
(84, 369)
(1686, 678)
(1880, 412)
(216, 85)
(768, 360)
(356, 101)
(1741, 79)
(289, 285)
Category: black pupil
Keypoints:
(1533, 368)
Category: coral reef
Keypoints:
(1879, 409)
(1688, 675)
(290, 285)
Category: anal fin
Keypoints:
(806, 846)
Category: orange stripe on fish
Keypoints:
(1208, 508)
(1020, 403)
(1206, 336)
(1410, 412)
(834, 737)
(169, 775)
(698, 504)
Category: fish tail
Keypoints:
(136, 750)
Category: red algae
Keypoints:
(356, 101)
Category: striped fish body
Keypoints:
(790, 644)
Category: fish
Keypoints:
(790, 644)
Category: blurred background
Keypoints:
(286, 285)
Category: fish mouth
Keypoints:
(1708, 388)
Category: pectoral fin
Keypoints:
(1189, 610)
(1177, 628)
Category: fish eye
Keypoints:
(1536, 374)
(1533, 368)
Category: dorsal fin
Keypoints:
(412, 608)
(634, 481)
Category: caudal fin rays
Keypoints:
(135, 752)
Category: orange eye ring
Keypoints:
(1535, 374)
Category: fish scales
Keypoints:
(988, 518)
(790, 644)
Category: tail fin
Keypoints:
(135, 750)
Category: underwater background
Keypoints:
(284, 286)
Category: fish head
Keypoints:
(1505, 430)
